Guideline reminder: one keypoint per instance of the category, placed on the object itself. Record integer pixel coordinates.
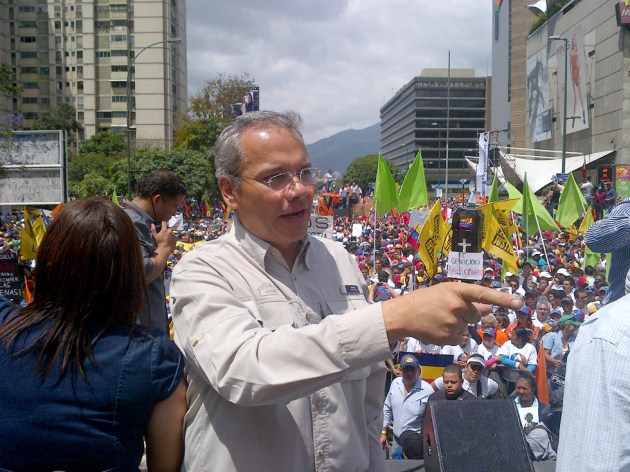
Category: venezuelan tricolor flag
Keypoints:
(431, 365)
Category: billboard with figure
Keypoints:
(538, 106)
(577, 103)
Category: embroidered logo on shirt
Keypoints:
(350, 289)
(267, 289)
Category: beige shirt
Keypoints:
(277, 381)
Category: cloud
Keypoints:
(336, 62)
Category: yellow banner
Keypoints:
(587, 221)
(495, 242)
(432, 239)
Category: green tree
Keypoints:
(194, 167)
(92, 183)
(362, 170)
(62, 118)
(105, 143)
(7, 84)
(219, 97)
(198, 135)
(94, 163)
(8, 88)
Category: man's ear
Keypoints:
(229, 192)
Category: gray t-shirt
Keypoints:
(153, 313)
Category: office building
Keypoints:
(416, 118)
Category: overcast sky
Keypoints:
(336, 62)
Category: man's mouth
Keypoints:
(295, 214)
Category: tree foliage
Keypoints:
(93, 163)
(362, 170)
(7, 84)
(198, 135)
(105, 143)
(62, 118)
(193, 167)
(218, 98)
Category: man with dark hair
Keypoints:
(451, 385)
(158, 196)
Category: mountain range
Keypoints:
(336, 152)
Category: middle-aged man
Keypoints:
(612, 234)
(284, 354)
(595, 428)
(405, 403)
(158, 195)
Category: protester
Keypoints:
(158, 196)
(86, 383)
(595, 430)
(451, 386)
(283, 351)
(612, 234)
(533, 414)
(405, 403)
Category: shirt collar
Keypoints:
(259, 249)
(138, 210)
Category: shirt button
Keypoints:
(321, 453)
(318, 404)
(195, 342)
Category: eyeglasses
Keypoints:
(279, 182)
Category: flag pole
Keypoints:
(542, 238)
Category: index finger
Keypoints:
(489, 296)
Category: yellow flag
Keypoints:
(496, 226)
(431, 238)
(39, 229)
(587, 221)
(497, 243)
(28, 244)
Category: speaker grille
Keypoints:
(476, 436)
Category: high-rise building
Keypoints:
(424, 115)
(511, 21)
(80, 52)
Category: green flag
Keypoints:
(494, 191)
(514, 193)
(571, 204)
(385, 194)
(535, 215)
(413, 192)
(115, 198)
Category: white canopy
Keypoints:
(539, 170)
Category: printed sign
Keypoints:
(10, 283)
(321, 226)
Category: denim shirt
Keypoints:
(66, 422)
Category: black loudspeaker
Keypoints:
(471, 436)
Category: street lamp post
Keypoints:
(564, 114)
(439, 149)
(130, 63)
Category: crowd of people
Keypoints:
(285, 342)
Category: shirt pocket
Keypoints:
(341, 306)
(273, 313)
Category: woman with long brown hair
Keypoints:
(83, 385)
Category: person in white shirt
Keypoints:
(419, 347)
(543, 310)
(517, 354)
(488, 348)
(461, 351)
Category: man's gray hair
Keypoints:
(229, 156)
(489, 319)
(542, 300)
